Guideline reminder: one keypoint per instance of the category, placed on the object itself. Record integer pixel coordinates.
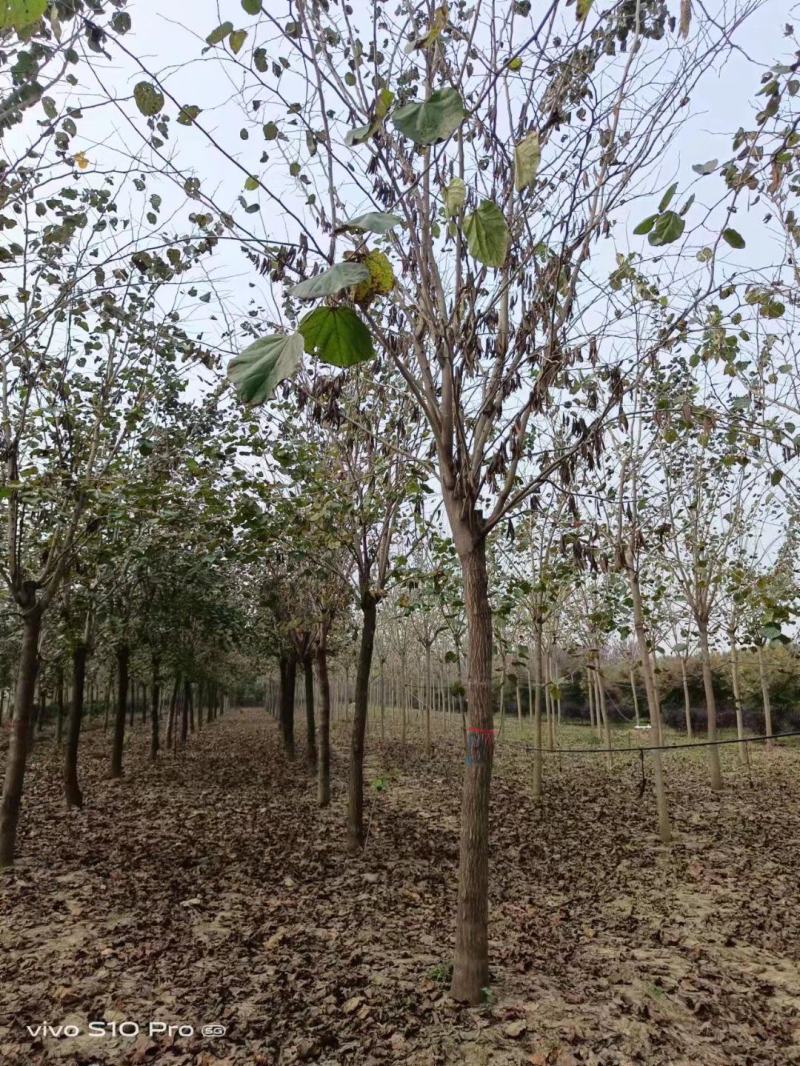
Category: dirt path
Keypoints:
(209, 890)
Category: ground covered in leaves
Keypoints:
(209, 890)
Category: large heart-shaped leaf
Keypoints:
(373, 222)
(263, 365)
(527, 155)
(148, 98)
(431, 120)
(487, 234)
(336, 335)
(329, 282)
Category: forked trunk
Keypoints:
(18, 745)
(471, 960)
(72, 790)
(311, 743)
(355, 789)
(323, 728)
(123, 658)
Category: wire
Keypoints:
(661, 747)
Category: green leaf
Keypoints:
(148, 98)
(645, 225)
(734, 239)
(252, 7)
(220, 33)
(270, 131)
(583, 7)
(120, 22)
(431, 120)
(17, 14)
(373, 222)
(487, 234)
(527, 155)
(236, 40)
(515, 64)
(667, 197)
(251, 184)
(263, 365)
(338, 277)
(188, 114)
(455, 195)
(336, 335)
(667, 228)
(705, 168)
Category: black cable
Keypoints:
(662, 747)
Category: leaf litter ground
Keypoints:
(208, 889)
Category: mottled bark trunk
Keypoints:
(471, 959)
(123, 659)
(737, 699)
(72, 790)
(537, 711)
(762, 673)
(355, 790)
(59, 705)
(185, 711)
(311, 742)
(687, 703)
(155, 700)
(711, 706)
(323, 728)
(288, 680)
(173, 710)
(653, 705)
(18, 746)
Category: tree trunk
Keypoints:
(59, 705)
(355, 790)
(185, 711)
(311, 743)
(123, 659)
(537, 713)
(155, 699)
(711, 706)
(762, 673)
(635, 697)
(323, 727)
(173, 709)
(288, 679)
(471, 959)
(737, 699)
(687, 703)
(653, 705)
(18, 746)
(428, 701)
(72, 790)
